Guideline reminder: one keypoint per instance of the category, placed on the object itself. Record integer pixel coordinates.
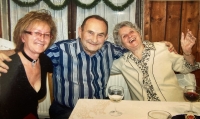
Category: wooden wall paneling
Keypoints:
(147, 7)
(197, 54)
(173, 22)
(190, 20)
(158, 20)
(198, 41)
(198, 36)
(180, 16)
(197, 72)
(0, 24)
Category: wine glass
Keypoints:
(115, 93)
(191, 93)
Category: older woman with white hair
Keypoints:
(148, 68)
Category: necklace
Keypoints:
(28, 58)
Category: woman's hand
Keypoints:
(187, 43)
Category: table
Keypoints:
(99, 109)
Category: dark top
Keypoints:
(17, 97)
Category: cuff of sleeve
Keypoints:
(193, 67)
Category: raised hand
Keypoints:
(187, 42)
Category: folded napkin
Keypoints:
(182, 116)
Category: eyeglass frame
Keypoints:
(38, 34)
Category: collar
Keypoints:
(148, 46)
(79, 46)
(30, 59)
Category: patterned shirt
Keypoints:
(78, 75)
(142, 64)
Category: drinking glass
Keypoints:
(191, 93)
(159, 114)
(115, 93)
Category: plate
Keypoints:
(182, 116)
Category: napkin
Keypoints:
(182, 116)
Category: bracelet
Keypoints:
(187, 54)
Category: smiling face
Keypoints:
(93, 35)
(37, 40)
(130, 38)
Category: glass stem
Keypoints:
(191, 106)
(115, 107)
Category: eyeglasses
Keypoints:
(38, 34)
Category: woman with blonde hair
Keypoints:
(25, 82)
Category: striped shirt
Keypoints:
(78, 75)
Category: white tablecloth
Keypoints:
(99, 109)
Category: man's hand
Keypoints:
(3, 66)
(170, 46)
(187, 43)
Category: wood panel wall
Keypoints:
(165, 20)
(0, 25)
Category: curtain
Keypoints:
(4, 19)
(113, 17)
(61, 16)
(16, 12)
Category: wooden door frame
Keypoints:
(72, 9)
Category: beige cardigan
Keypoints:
(161, 67)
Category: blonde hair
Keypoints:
(32, 18)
